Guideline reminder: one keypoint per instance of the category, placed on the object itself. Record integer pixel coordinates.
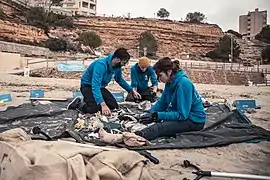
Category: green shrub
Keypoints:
(56, 44)
(2, 13)
(67, 22)
(90, 39)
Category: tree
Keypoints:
(264, 35)
(90, 39)
(195, 17)
(54, 3)
(266, 54)
(234, 33)
(26, 2)
(223, 49)
(163, 13)
(148, 40)
(36, 17)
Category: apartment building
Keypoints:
(70, 7)
(252, 23)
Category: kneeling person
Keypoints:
(95, 79)
(140, 73)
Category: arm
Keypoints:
(184, 102)
(134, 79)
(98, 74)
(163, 103)
(121, 81)
(153, 78)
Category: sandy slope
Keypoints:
(238, 158)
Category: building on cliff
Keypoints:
(252, 23)
(70, 7)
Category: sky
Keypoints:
(224, 13)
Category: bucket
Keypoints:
(26, 72)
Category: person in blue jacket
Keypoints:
(95, 79)
(179, 109)
(140, 74)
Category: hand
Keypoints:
(105, 110)
(136, 95)
(148, 117)
(154, 89)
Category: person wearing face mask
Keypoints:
(95, 79)
(180, 108)
(141, 73)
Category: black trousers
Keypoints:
(169, 129)
(91, 106)
(146, 95)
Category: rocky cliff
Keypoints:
(175, 39)
(13, 26)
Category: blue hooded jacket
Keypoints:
(100, 73)
(180, 101)
(140, 79)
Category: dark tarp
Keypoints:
(223, 126)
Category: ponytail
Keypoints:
(176, 66)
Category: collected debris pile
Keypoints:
(117, 128)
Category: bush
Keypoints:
(2, 14)
(148, 40)
(90, 39)
(67, 22)
(55, 44)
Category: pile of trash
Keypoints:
(117, 128)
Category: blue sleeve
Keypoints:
(97, 76)
(163, 103)
(134, 79)
(121, 81)
(184, 101)
(153, 77)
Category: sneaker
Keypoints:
(74, 103)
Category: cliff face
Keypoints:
(20, 33)
(175, 39)
(13, 26)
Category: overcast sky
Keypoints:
(225, 13)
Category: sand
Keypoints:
(251, 158)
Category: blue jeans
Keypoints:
(169, 129)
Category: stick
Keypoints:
(89, 146)
(48, 99)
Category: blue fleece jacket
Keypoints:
(100, 73)
(140, 79)
(180, 101)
